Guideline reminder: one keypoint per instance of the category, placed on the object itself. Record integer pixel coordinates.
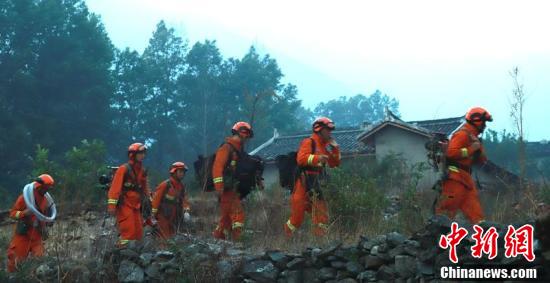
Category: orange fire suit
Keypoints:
(459, 191)
(306, 198)
(27, 240)
(168, 201)
(232, 213)
(128, 189)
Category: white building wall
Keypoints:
(393, 140)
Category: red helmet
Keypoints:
(243, 129)
(45, 179)
(178, 165)
(478, 114)
(321, 123)
(137, 148)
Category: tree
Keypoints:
(353, 111)
(516, 112)
(129, 96)
(54, 78)
(202, 85)
(163, 105)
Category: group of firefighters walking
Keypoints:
(169, 202)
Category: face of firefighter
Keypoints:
(480, 126)
(244, 137)
(326, 134)
(140, 156)
(180, 173)
(43, 189)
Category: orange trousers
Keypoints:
(300, 203)
(456, 195)
(21, 246)
(130, 224)
(166, 224)
(232, 216)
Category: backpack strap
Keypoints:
(130, 176)
(168, 187)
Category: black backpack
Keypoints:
(203, 172)
(249, 169)
(288, 167)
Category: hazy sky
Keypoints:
(438, 58)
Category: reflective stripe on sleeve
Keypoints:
(218, 180)
(464, 152)
(310, 159)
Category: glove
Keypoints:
(186, 217)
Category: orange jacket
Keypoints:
(175, 190)
(460, 150)
(306, 158)
(221, 161)
(16, 212)
(122, 178)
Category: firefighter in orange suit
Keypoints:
(27, 237)
(128, 189)
(312, 158)
(170, 201)
(465, 149)
(225, 182)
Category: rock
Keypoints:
(438, 225)
(171, 264)
(192, 249)
(354, 268)
(330, 250)
(310, 275)
(164, 255)
(373, 262)
(428, 255)
(386, 273)
(214, 249)
(129, 254)
(153, 271)
(338, 264)
(291, 276)
(278, 258)
(405, 266)
(399, 250)
(385, 257)
(225, 269)
(374, 250)
(145, 259)
(296, 263)
(315, 252)
(343, 274)
(261, 270)
(425, 269)
(374, 242)
(130, 272)
(367, 276)
(44, 272)
(411, 247)
(347, 280)
(327, 273)
(234, 252)
(395, 239)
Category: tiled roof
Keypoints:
(347, 139)
(443, 126)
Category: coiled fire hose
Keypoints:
(28, 196)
